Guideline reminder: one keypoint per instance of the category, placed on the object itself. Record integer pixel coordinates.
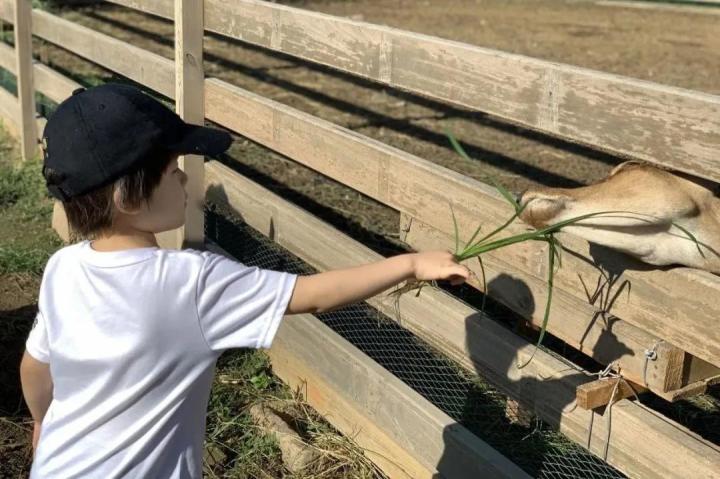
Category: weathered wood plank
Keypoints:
(602, 392)
(675, 305)
(22, 21)
(189, 104)
(160, 8)
(149, 69)
(10, 112)
(582, 325)
(400, 429)
(401, 432)
(670, 126)
(49, 82)
(546, 385)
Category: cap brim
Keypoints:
(201, 140)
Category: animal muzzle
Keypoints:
(541, 209)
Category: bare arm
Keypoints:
(37, 388)
(322, 292)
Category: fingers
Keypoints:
(458, 274)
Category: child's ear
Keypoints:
(120, 205)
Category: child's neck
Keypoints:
(116, 241)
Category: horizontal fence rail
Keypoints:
(672, 310)
(675, 305)
(670, 126)
(546, 385)
(413, 186)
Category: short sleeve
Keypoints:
(240, 306)
(37, 342)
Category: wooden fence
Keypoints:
(669, 312)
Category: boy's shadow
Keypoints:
(15, 326)
(517, 433)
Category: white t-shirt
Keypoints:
(132, 338)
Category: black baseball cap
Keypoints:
(99, 134)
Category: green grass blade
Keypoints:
(472, 238)
(503, 191)
(455, 227)
(691, 236)
(484, 283)
(546, 316)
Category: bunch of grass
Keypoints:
(476, 246)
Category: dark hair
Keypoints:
(92, 213)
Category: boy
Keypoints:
(119, 363)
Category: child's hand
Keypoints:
(435, 265)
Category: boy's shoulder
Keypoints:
(82, 252)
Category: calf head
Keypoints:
(650, 208)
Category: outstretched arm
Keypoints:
(323, 292)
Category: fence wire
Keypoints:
(466, 398)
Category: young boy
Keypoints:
(119, 363)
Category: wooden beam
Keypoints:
(148, 69)
(602, 392)
(22, 21)
(691, 7)
(622, 115)
(546, 385)
(159, 8)
(674, 305)
(398, 429)
(580, 324)
(49, 82)
(10, 112)
(189, 104)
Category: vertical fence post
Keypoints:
(189, 103)
(25, 87)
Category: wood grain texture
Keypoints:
(10, 112)
(675, 305)
(580, 324)
(602, 392)
(547, 386)
(189, 104)
(49, 82)
(670, 126)
(22, 21)
(402, 431)
(149, 69)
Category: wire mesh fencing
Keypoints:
(465, 397)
